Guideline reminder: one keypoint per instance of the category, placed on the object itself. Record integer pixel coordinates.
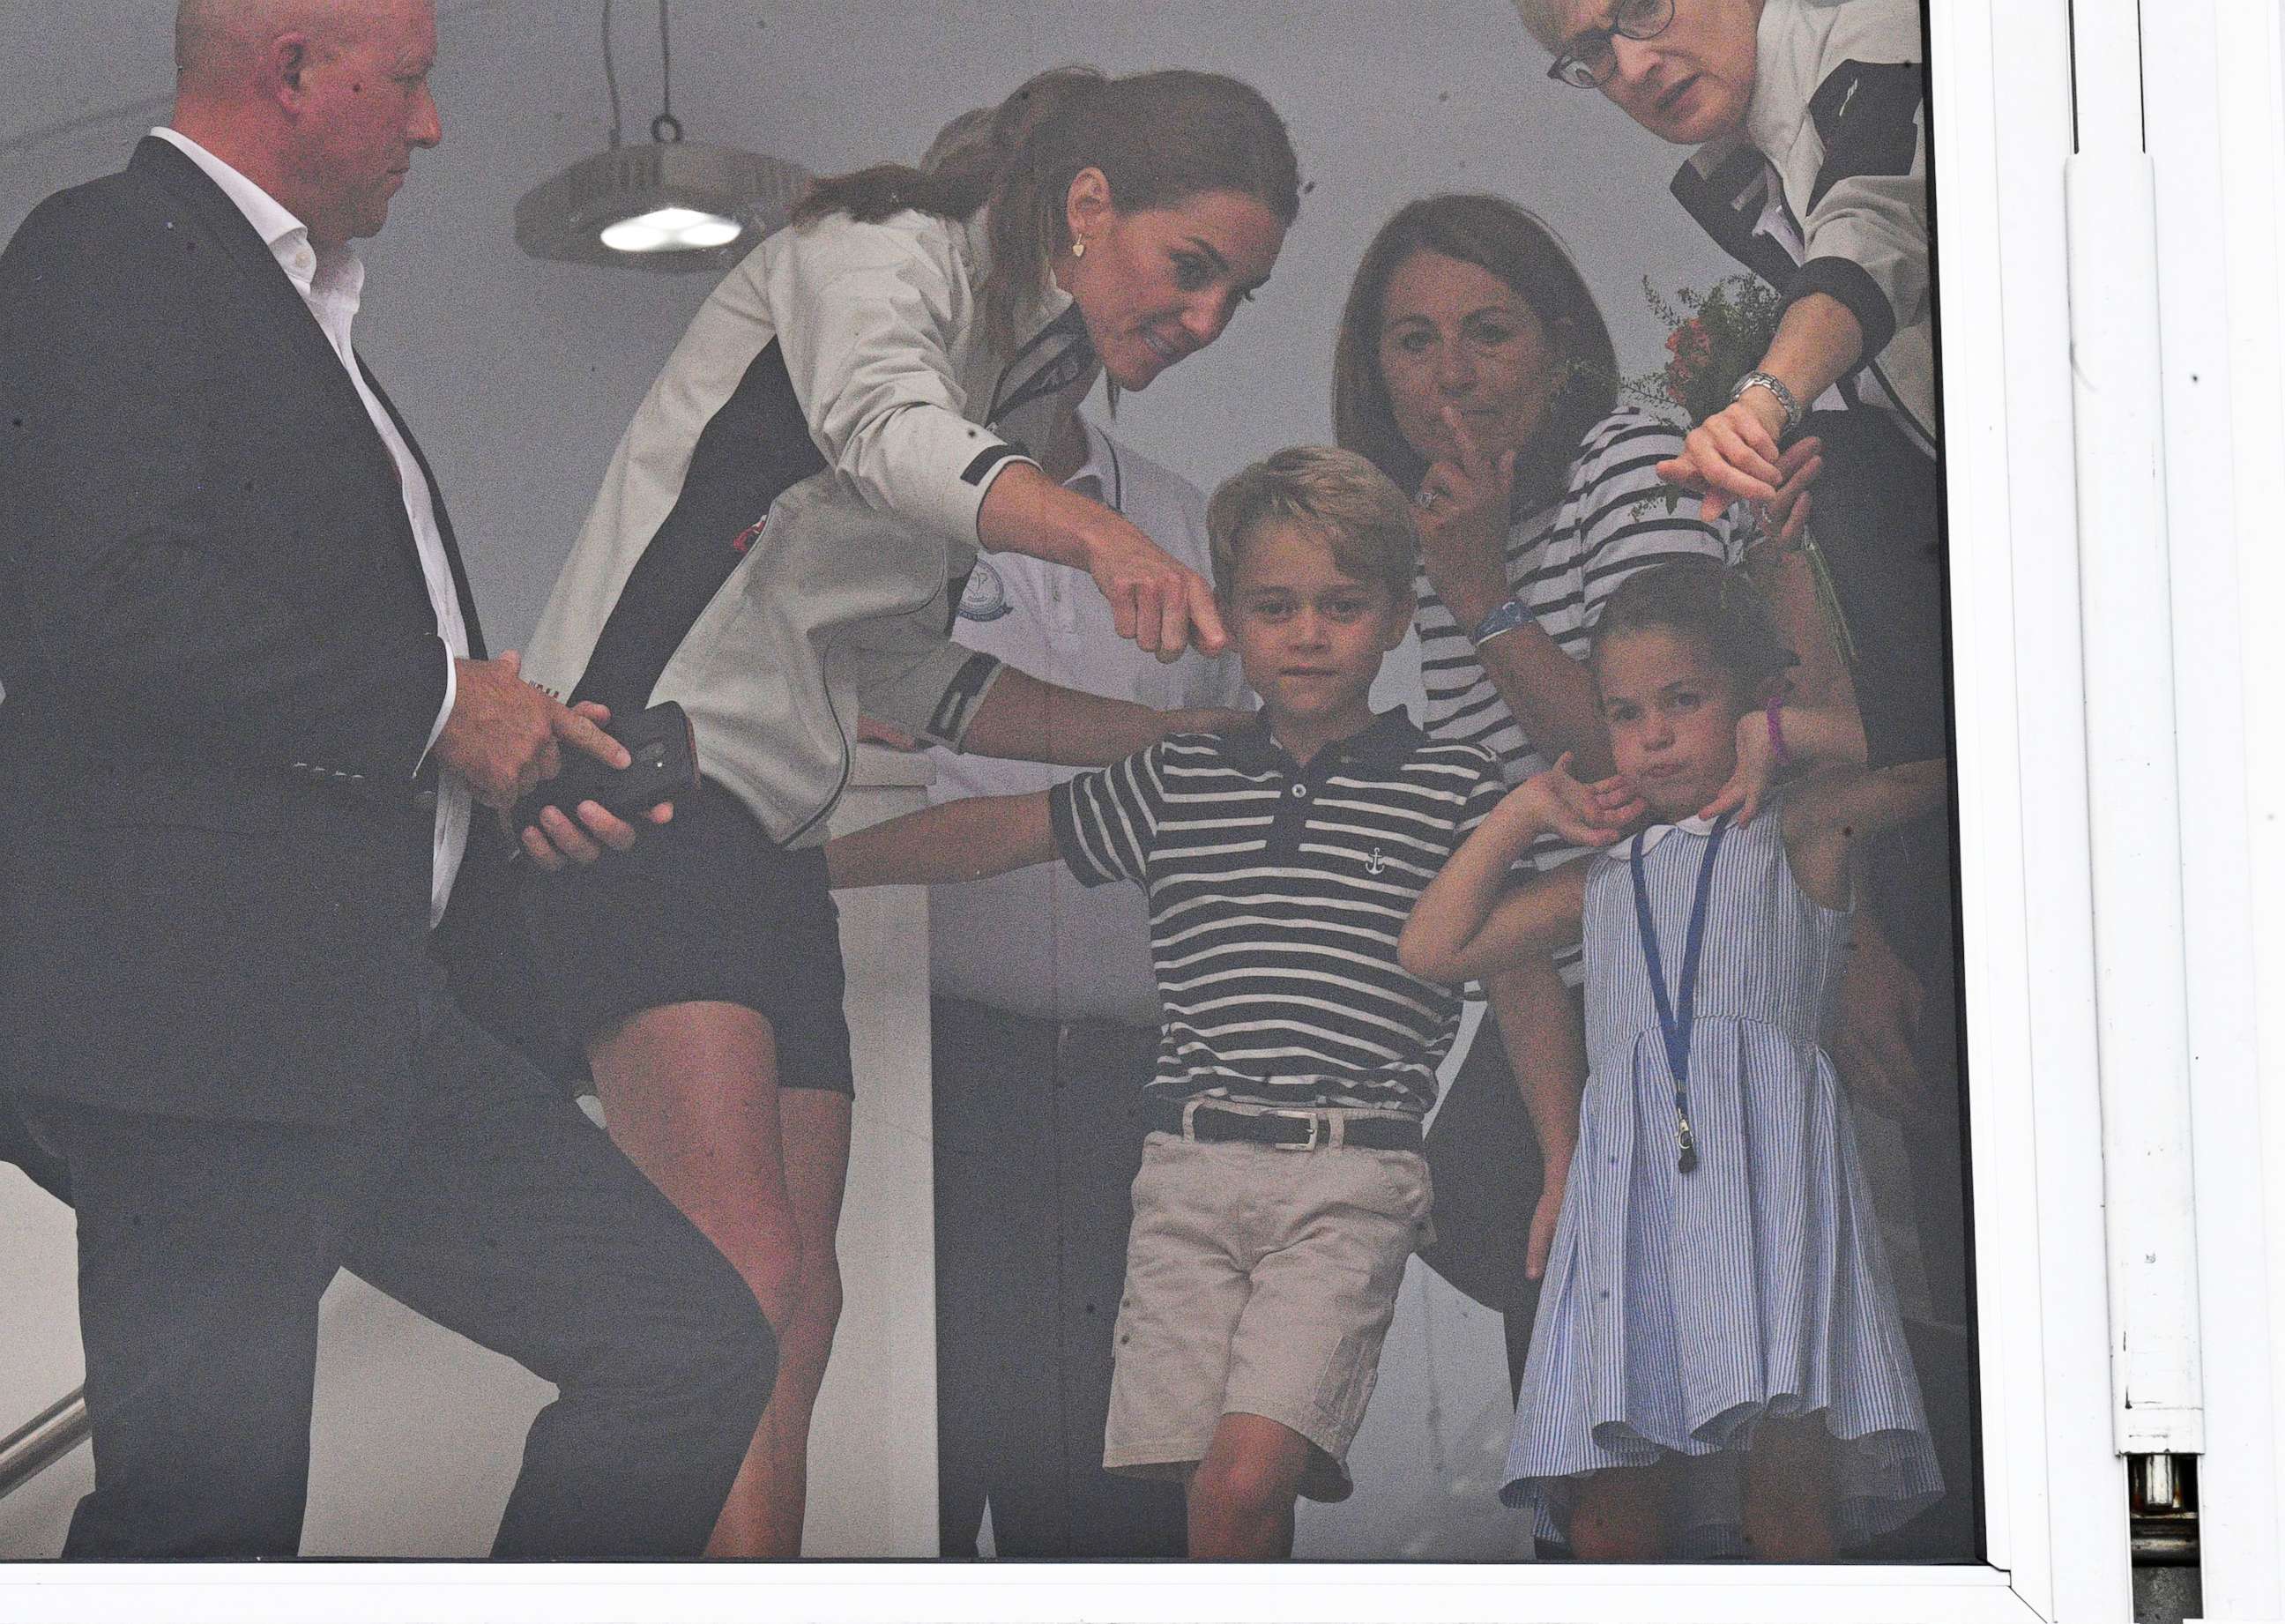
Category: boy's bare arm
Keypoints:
(1546, 1051)
(960, 840)
(1023, 718)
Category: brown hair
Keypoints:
(1698, 597)
(1513, 245)
(1338, 495)
(1158, 137)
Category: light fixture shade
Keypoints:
(692, 194)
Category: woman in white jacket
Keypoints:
(780, 543)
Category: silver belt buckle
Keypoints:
(1314, 1120)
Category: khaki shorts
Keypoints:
(1259, 1282)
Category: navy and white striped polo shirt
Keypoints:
(1276, 895)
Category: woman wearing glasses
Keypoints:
(1809, 118)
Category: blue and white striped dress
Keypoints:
(1679, 1309)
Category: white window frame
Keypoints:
(2054, 1497)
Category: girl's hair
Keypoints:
(1698, 598)
(1158, 137)
(1513, 245)
(1335, 495)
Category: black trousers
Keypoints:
(483, 1199)
(1039, 1138)
(1484, 1156)
(1878, 521)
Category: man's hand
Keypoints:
(505, 736)
(556, 839)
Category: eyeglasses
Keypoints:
(1589, 61)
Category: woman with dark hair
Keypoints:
(780, 544)
(1474, 368)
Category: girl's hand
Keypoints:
(1463, 522)
(1618, 802)
(1750, 780)
(1584, 814)
(1543, 1219)
(1733, 456)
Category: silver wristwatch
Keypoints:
(1764, 380)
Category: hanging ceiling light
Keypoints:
(671, 205)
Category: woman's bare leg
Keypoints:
(813, 1127)
(689, 1091)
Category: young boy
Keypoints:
(1282, 1186)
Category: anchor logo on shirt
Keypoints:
(1376, 865)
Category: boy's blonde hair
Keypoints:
(1336, 496)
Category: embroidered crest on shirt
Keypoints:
(986, 597)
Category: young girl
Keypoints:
(1717, 1367)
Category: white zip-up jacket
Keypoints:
(787, 523)
(1839, 119)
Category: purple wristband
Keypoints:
(1773, 710)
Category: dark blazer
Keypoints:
(222, 669)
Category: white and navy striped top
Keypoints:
(1611, 520)
(1276, 894)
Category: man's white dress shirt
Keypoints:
(331, 282)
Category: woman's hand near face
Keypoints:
(1464, 523)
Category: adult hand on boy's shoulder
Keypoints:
(1202, 719)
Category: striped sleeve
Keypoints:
(1106, 821)
(1483, 796)
(1630, 519)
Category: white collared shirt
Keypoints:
(331, 282)
(1036, 942)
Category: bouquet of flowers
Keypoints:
(1715, 338)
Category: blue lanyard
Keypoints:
(1677, 1020)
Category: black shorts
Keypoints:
(706, 909)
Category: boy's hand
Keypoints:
(1542, 1220)
(1584, 814)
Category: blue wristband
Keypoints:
(1508, 616)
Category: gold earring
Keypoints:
(1079, 247)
